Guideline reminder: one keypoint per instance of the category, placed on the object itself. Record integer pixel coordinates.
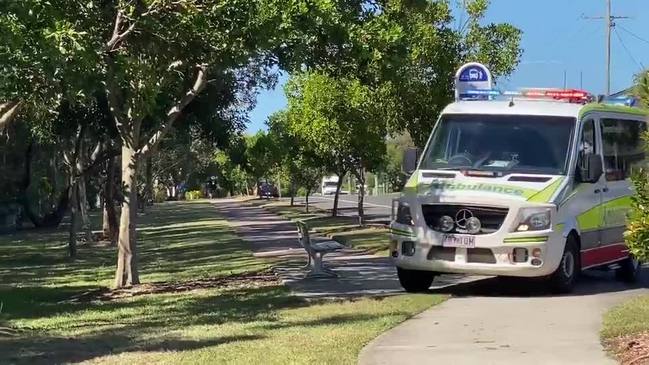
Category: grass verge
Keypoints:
(625, 331)
(205, 308)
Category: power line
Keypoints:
(639, 64)
(633, 34)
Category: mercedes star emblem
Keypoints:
(461, 217)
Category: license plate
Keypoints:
(454, 240)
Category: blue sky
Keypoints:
(555, 39)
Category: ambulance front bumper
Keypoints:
(529, 254)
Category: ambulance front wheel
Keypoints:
(415, 281)
(564, 278)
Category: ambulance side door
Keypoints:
(586, 204)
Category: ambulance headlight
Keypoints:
(403, 214)
(446, 223)
(533, 219)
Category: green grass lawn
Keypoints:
(628, 318)
(207, 311)
(625, 331)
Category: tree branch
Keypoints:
(176, 110)
(117, 37)
(114, 105)
(102, 157)
(96, 151)
(8, 111)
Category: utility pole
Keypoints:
(609, 21)
(609, 25)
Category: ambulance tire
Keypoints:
(415, 281)
(564, 278)
(629, 270)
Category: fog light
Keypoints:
(446, 223)
(536, 252)
(536, 262)
(520, 254)
(407, 248)
(473, 225)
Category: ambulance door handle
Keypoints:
(605, 189)
(597, 191)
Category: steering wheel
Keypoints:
(461, 159)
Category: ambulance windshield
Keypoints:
(507, 143)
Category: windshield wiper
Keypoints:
(454, 168)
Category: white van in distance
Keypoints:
(536, 185)
(328, 186)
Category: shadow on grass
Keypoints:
(177, 242)
(173, 238)
(129, 325)
(56, 350)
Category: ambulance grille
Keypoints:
(491, 218)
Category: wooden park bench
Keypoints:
(316, 251)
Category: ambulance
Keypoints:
(530, 183)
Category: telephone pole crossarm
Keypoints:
(610, 23)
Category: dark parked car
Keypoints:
(267, 190)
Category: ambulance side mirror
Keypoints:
(410, 157)
(591, 168)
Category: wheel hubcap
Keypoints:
(568, 264)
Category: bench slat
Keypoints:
(326, 246)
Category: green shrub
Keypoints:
(193, 195)
(159, 195)
(637, 234)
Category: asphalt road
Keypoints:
(377, 207)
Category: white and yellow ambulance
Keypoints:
(533, 183)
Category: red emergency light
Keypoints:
(571, 95)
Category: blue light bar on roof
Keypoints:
(479, 94)
(620, 100)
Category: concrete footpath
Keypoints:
(498, 321)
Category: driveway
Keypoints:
(505, 321)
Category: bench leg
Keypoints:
(318, 270)
(308, 263)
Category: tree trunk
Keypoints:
(307, 199)
(349, 183)
(148, 188)
(292, 191)
(110, 224)
(339, 185)
(74, 221)
(126, 273)
(82, 200)
(361, 196)
(105, 227)
(376, 184)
